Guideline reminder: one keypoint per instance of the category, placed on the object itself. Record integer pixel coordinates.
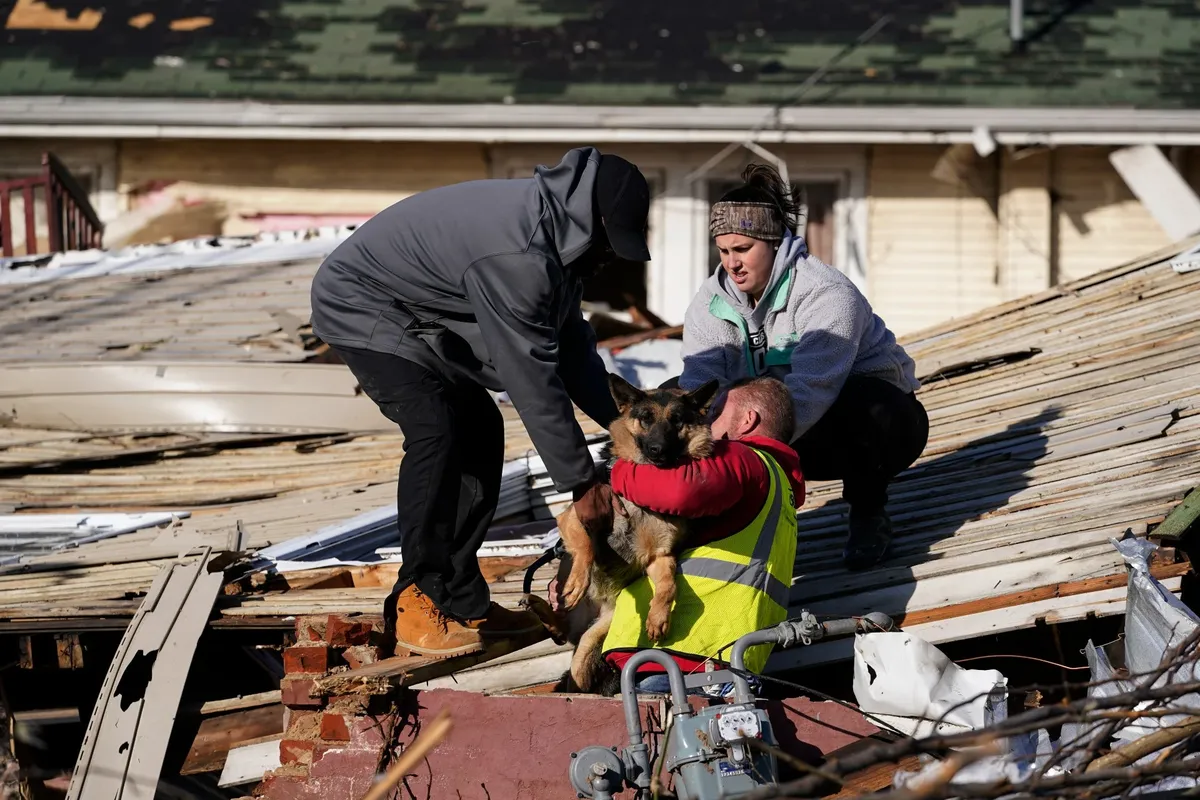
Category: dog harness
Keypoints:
(724, 589)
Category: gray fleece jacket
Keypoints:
(474, 282)
(812, 329)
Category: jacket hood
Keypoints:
(787, 459)
(791, 250)
(569, 211)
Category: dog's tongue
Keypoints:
(555, 598)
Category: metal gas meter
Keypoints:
(711, 753)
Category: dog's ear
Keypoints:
(702, 398)
(623, 392)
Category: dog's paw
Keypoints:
(658, 624)
(576, 587)
(548, 617)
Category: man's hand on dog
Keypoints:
(595, 506)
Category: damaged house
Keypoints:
(200, 532)
(197, 503)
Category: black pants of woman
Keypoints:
(871, 433)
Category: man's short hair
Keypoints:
(773, 402)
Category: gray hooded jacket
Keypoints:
(812, 329)
(474, 282)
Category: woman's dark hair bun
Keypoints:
(761, 183)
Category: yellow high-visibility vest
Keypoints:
(724, 589)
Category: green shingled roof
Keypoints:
(1133, 53)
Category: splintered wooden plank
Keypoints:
(1106, 603)
(1161, 572)
(384, 676)
(220, 734)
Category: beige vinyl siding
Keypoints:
(304, 178)
(932, 252)
(937, 251)
(1023, 244)
(1101, 224)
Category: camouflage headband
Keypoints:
(756, 220)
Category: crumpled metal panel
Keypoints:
(33, 533)
(187, 397)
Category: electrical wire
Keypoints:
(1027, 658)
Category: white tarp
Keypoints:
(914, 686)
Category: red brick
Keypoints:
(341, 788)
(343, 631)
(296, 751)
(346, 762)
(278, 785)
(310, 629)
(298, 693)
(360, 655)
(306, 660)
(334, 728)
(372, 733)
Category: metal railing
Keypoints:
(72, 223)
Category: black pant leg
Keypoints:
(480, 442)
(430, 483)
(871, 433)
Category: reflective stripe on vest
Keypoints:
(725, 589)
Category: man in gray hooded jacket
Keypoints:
(461, 289)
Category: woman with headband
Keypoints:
(774, 309)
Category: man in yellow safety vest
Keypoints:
(736, 573)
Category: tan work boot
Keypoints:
(505, 623)
(422, 628)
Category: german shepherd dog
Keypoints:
(664, 428)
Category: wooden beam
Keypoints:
(383, 676)
(70, 651)
(1181, 518)
(620, 342)
(212, 707)
(47, 716)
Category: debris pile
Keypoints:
(172, 419)
(1126, 732)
